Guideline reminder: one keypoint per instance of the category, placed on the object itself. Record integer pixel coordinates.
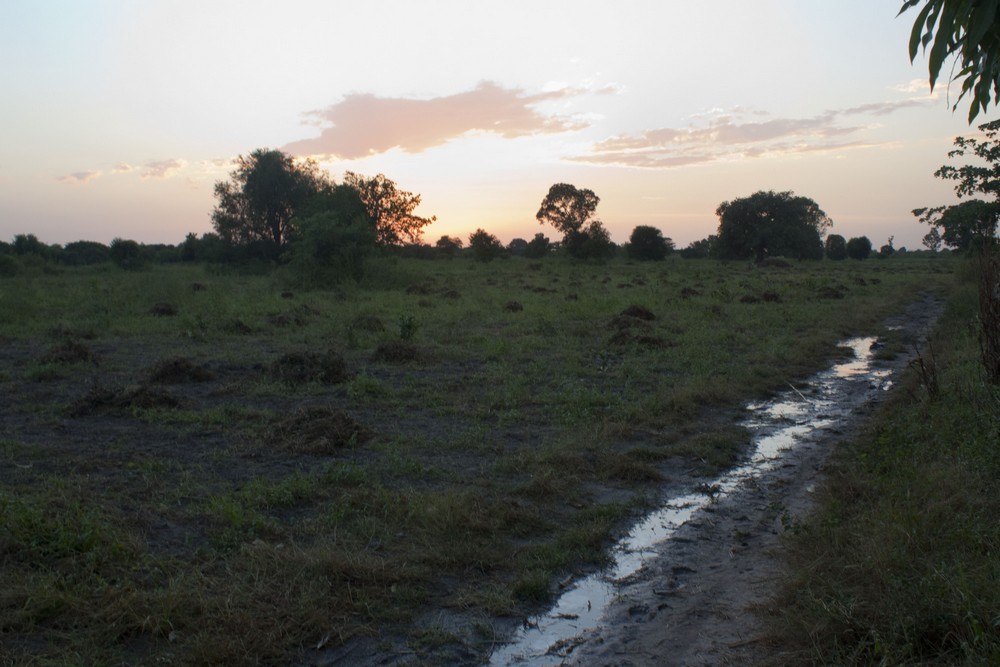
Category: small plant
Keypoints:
(407, 327)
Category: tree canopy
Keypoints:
(969, 30)
(567, 208)
(771, 223)
(390, 208)
(971, 223)
(648, 243)
(265, 192)
(859, 247)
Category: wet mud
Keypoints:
(685, 581)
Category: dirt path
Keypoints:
(693, 604)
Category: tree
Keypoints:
(570, 210)
(859, 247)
(538, 247)
(648, 243)
(485, 247)
(968, 30)
(700, 249)
(932, 240)
(836, 247)
(888, 250)
(265, 192)
(126, 253)
(567, 208)
(326, 248)
(390, 209)
(972, 223)
(448, 245)
(771, 223)
(517, 247)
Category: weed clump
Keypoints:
(295, 368)
(178, 371)
(513, 307)
(163, 309)
(317, 430)
(68, 352)
(369, 323)
(828, 292)
(639, 312)
(396, 352)
(133, 397)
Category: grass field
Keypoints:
(201, 467)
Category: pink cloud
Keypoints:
(363, 124)
(78, 177)
(161, 168)
(730, 136)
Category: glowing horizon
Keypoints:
(121, 118)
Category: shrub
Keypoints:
(648, 243)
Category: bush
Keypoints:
(538, 247)
(836, 247)
(126, 254)
(485, 247)
(327, 251)
(648, 243)
(859, 247)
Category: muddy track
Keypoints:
(699, 600)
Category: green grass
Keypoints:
(900, 565)
(506, 454)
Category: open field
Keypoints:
(204, 468)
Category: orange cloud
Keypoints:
(362, 124)
(78, 177)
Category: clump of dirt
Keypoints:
(513, 307)
(296, 368)
(370, 323)
(828, 292)
(317, 430)
(178, 371)
(198, 287)
(68, 352)
(396, 352)
(626, 337)
(102, 399)
(299, 316)
(572, 296)
(236, 326)
(771, 297)
(422, 290)
(639, 312)
(163, 309)
(63, 331)
(749, 298)
(451, 294)
(689, 292)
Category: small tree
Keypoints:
(326, 249)
(516, 247)
(932, 240)
(648, 243)
(859, 247)
(888, 250)
(538, 247)
(448, 246)
(700, 249)
(485, 247)
(391, 209)
(836, 247)
(126, 254)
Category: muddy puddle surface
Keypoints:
(598, 620)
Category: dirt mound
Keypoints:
(317, 430)
(513, 307)
(639, 312)
(133, 397)
(178, 371)
(396, 352)
(302, 367)
(370, 323)
(68, 352)
(831, 292)
(163, 309)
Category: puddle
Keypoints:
(827, 401)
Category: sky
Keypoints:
(119, 116)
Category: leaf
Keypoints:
(918, 28)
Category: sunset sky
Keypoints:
(119, 116)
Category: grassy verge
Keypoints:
(901, 564)
(207, 468)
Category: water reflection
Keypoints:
(825, 402)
